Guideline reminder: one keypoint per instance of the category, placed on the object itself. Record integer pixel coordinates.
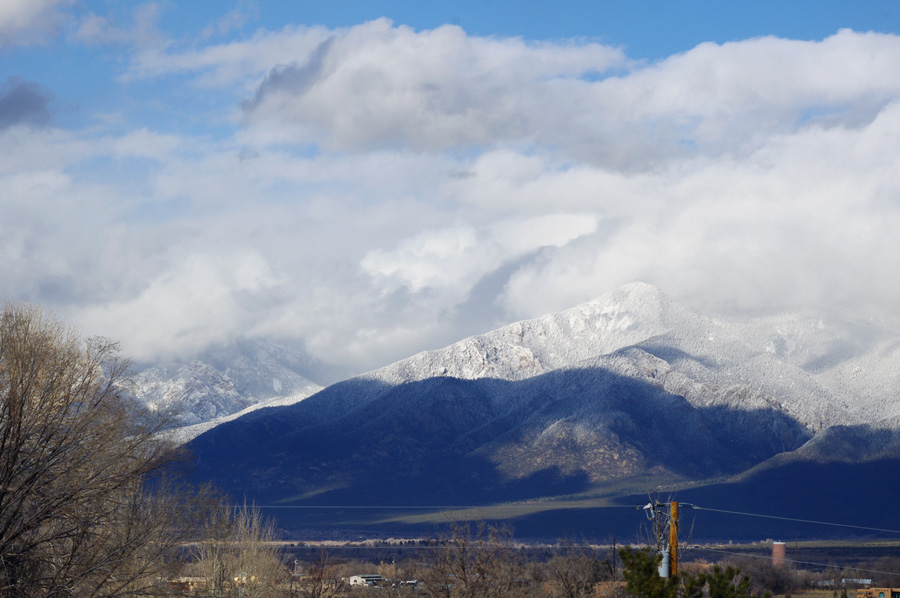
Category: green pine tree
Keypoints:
(641, 573)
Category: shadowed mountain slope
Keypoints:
(470, 441)
(628, 391)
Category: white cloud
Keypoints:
(240, 62)
(146, 144)
(141, 30)
(368, 207)
(377, 85)
(200, 300)
(28, 21)
(454, 259)
(804, 220)
(244, 12)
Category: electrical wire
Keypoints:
(871, 529)
(532, 505)
(425, 507)
(372, 507)
(630, 507)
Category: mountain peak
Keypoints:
(621, 318)
(639, 291)
(636, 306)
(226, 380)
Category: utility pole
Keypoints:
(673, 538)
(665, 518)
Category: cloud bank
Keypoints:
(379, 190)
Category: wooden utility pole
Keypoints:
(673, 539)
(663, 514)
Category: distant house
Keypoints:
(878, 593)
(372, 579)
(243, 578)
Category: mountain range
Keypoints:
(228, 381)
(585, 411)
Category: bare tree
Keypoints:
(888, 571)
(238, 555)
(474, 562)
(76, 516)
(576, 572)
(765, 575)
(322, 580)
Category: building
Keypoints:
(878, 593)
(779, 555)
(372, 579)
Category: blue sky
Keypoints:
(84, 76)
(373, 179)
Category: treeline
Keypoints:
(478, 560)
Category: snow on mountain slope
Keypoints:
(820, 369)
(227, 381)
(524, 349)
(265, 368)
(184, 434)
(626, 392)
(854, 358)
(195, 391)
(605, 393)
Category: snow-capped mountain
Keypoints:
(226, 381)
(624, 391)
(823, 369)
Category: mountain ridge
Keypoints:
(225, 382)
(714, 349)
(630, 388)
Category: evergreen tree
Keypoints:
(641, 573)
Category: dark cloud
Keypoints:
(294, 78)
(24, 102)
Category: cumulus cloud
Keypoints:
(377, 85)
(380, 86)
(802, 221)
(387, 191)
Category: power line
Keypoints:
(428, 507)
(533, 505)
(375, 507)
(872, 529)
(560, 546)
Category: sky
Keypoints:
(375, 179)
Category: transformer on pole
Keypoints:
(665, 531)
